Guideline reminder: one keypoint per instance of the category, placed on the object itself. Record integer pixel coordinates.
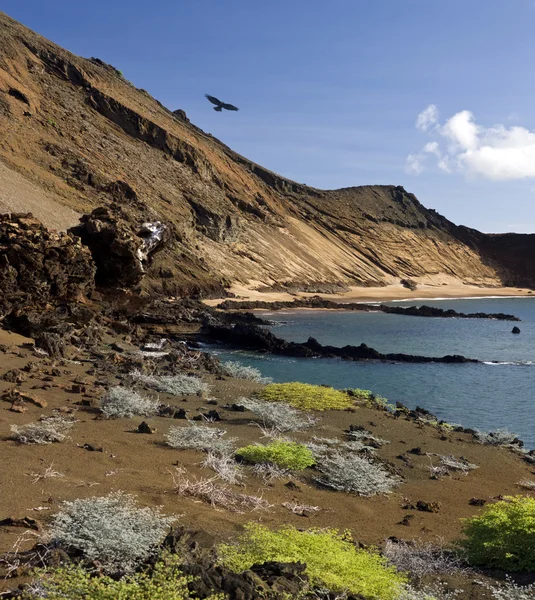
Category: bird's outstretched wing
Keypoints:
(213, 100)
(230, 107)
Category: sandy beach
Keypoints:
(386, 293)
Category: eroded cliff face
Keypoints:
(86, 137)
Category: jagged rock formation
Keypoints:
(39, 267)
(77, 129)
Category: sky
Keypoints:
(437, 96)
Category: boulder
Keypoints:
(515, 330)
(120, 246)
(40, 267)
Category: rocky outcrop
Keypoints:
(39, 267)
(252, 337)
(119, 248)
(318, 302)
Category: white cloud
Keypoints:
(414, 164)
(427, 118)
(433, 148)
(498, 153)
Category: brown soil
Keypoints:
(143, 465)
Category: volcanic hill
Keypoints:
(75, 135)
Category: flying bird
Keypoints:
(219, 106)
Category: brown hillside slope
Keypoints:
(86, 137)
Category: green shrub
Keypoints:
(165, 582)
(306, 396)
(288, 455)
(332, 561)
(503, 535)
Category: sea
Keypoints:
(497, 394)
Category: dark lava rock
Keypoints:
(477, 502)
(26, 522)
(119, 247)
(39, 267)
(515, 330)
(431, 507)
(319, 302)
(180, 414)
(253, 337)
(144, 427)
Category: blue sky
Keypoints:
(330, 92)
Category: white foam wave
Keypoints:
(516, 363)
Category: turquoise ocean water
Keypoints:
(497, 394)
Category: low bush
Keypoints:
(435, 591)
(510, 591)
(331, 560)
(236, 369)
(218, 496)
(420, 559)
(369, 399)
(278, 415)
(354, 474)
(503, 535)
(199, 437)
(499, 437)
(177, 385)
(46, 431)
(306, 396)
(225, 467)
(125, 402)
(111, 529)
(164, 582)
(287, 455)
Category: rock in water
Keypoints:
(515, 330)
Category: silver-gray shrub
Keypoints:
(111, 529)
(420, 559)
(433, 592)
(354, 474)
(177, 385)
(236, 369)
(200, 437)
(225, 466)
(45, 431)
(498, 437)
(126, 402)
(278, 415)
(510, 591)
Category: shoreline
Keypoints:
(388, 293)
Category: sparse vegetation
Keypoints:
(354, 474)
(510, 591)
(269, 472)
(177, 385)
(503, 535)
(217, 495)
(225, 467)
(498, 437)
(287, 455)
(236, 369)
(111, 529)
(125, 402)
(164, 582)
(527, 484)
(46, 431)
(332, 560)
(199, 437)
(420, 559)
(306, 396)
(278, 415)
